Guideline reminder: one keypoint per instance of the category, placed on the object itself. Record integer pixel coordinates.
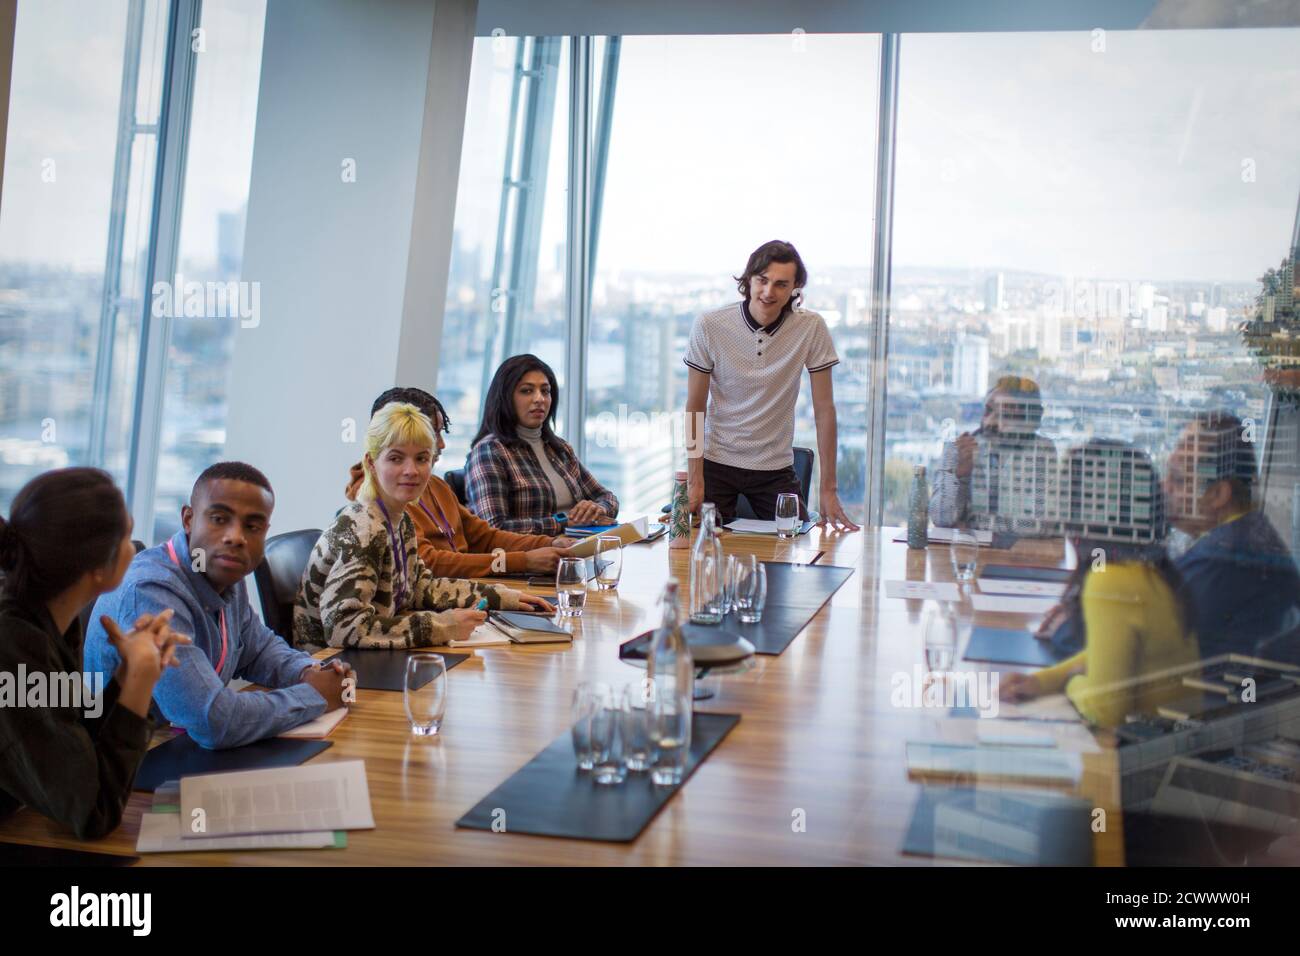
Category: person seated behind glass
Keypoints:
(365, 584)
(520, 475)
(1239, 574)
(71, 756)
(1127, 598)
(1003, 475)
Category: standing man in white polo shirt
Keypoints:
(746, 361)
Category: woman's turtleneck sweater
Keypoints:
(533, 436)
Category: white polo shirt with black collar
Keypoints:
(754, 377)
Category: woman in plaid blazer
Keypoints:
(520, 474)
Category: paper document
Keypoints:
(161, 833)
(923, 590)
(1010, 604)
(324, 796)
(1012, 735)
(983, 538)
(751, 526)
(962, 762)
(321, 727)
(1053, 589)
(629, 533)
(485, 635)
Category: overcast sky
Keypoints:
(1015, 151)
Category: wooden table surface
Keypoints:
(818, 734)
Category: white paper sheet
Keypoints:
(485, 635)
(923, 590)
(161, 833)
(319, 728)
(751, 526)
(1011, 604)
(324, 796)
(1052, 589)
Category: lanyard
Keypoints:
(224, 641)
(399, 556)
(441, 521)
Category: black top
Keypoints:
(74, 768)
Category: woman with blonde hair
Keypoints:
(365, 584)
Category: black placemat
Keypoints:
(549, 796)
(996, 645)
(795, 593)
(182, 757)
(386, 670)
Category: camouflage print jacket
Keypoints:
(352, 595)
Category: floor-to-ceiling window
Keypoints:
(718, 144)
(505, 290)
(1091, 211)
(86, 92)
(210, 252)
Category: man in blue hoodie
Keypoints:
(199, 574)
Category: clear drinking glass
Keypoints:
(570, 587)
(425, 693)
(940, 641)
(731, 569)
(587, 699)
(787, 515)
(609, 561)
(670, 733)
(751, 589)
(637, 696)
(965, 551)
(607, 744)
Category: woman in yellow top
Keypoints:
(1127, 596)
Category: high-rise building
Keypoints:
(970, 365)
(1110, 493)
(994, 293)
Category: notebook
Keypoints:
(1011, 572)
(629, 533)
(1004, 826)
(485, 635)
(995, 645)
(523, 628)
(320, 728)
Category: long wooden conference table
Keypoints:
(818, 734)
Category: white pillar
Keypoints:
(360, 118)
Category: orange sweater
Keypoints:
(469, 553)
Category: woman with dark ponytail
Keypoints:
(68, 750)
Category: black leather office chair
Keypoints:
(279, 575)
(803, 467)
(84, 615)
(456, 479)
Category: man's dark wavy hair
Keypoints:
(777, 250)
